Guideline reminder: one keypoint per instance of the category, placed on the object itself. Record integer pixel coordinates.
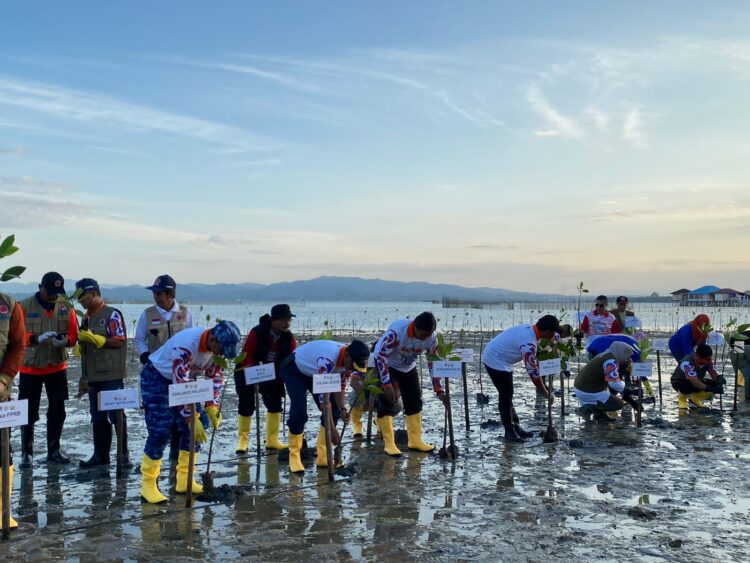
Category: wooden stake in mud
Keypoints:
(338, 450)
(327, 427)
(449, 410)
(736, 377)
(370, 405)
(208, 479)
(257, 420)
(562, 393)
(6, 483)
(466, 396)
(550, 435)
(658, 371)
(640, 404)
(191, 457)
(120, 442)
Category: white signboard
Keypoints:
(326, 383)
(466, 354)
(118, 399)
(715, 339)
(659, 345)
(191, 392)
(449, 369)
(371, 361)
(14, 413)
(632, 322)
(550, 367)
(260, 373)
(642, 370)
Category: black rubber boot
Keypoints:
(517, 426)
(27, 446)
(174, 444)
(102, 444)
(126, 463)
(506, 417)
(54, 431)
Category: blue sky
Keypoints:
(524, 145)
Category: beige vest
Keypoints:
(158, 331)
(37, 322)
(591, 377)
(7, 304)
(103, 364)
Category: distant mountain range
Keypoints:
(325, 288)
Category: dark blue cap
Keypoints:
(87, 284)
(163, 283)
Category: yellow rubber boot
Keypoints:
(150, 473)
(13, 523)
(740, 378)
(648, 388)
(243, 433)
(414, 431)
(682, 401)
(273, 421)
(183, 462)
(386, 425)
(322, 460)
(698, 398)
(357, 421)
(295, 453)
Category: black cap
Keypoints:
(281, 311)
(359, 353)
(87, 284)
(53, 283)
(163, 283)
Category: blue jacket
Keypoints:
(605, 341)
(681, 343)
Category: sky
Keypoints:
(527, 146)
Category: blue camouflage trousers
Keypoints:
(160, 416)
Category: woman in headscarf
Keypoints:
(682, 342)
(597, 384)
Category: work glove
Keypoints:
(443, 398)
(7, 390)
(144, 358)
(46, 336)
(60, 341)
(713, 386)
(88, 336)
(214, 415)
(83, 387)
(200, 432)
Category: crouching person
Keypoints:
(597, 384)
(297, 370)
(187, 355)
(695, 378)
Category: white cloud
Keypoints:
(632, 128)
(564, 126)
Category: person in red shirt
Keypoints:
(51, 327)
(12, 346)
(599, 321)
(271, 341)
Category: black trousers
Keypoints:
(411, 394)
(683, 386)
(503, 382)
(272, 393)
(56, 385)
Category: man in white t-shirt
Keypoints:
(507, 348)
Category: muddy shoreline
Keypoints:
(673, 490)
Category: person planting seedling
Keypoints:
(598, 382)
(396, 353)
(682, 342)
(187, 355)
(695, 378)
(518, 343)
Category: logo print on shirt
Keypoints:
(102, 322)
(4, 309)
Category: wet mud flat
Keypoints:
(673, 490)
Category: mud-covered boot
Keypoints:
(150, 473)
(414, 433)
(586, 411)
(506, 417)
(356, 416)
(102, 444)
(295, 453)
(698, 398)
(27, 446)
(243, 433)
(517, 427)
(386, 425)
(54, 431)
(273, 422)
(682, 401)
(183, 464)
